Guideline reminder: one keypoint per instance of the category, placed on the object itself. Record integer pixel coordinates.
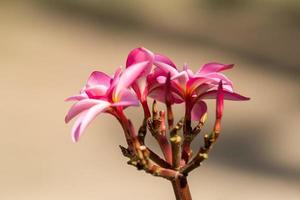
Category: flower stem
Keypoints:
(187, 131)
(181, 188)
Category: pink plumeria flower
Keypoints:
(103, 93)
(148, 80)
(212, 93)
(189, 87)
(140, 85)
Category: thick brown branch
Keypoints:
(181, 189)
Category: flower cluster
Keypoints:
(150, 75)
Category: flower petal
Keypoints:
(218, 76)
(80, 107)
(87, 118)
(227, 95)
(197, 81)
(126, 103)
(114, 82)
(164, 59)
(161, 79)
(203, 88)
(140, 54)
(199, 109)
(129, 76)
(188, 70)
(214, 67)
(77, 97)
(76, 127)
(166, 68)
(159, 93)
(228, 88)
(96, 91)
(99, 78)
(182, 78)
(127, 98)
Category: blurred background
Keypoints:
(48, 49)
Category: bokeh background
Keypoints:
(48, 49)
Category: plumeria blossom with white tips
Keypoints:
(103, 93)
(140, 85)
(185, 86)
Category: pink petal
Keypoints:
(203, 88)
(210, 86)
(140, 87)
(177, 98)
(188, 71)
(152, 81)
(228, 88)
(99, 78)
(128, 98)
(96, 91)
(214, 67)
(161, 79)
(199, 109)
(87, 118)
(196, 82)
(77, 97)
(114, 81)
(152, 77)
(227, 95)
(126, 103)
(218, 76)
(182, 78)
(81, 106)
(117, 76)
(164, 59)
(139, 55)
(166, 68)
(129, 76)
(76, 127)
(159, 94)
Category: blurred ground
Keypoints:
(48, 49)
